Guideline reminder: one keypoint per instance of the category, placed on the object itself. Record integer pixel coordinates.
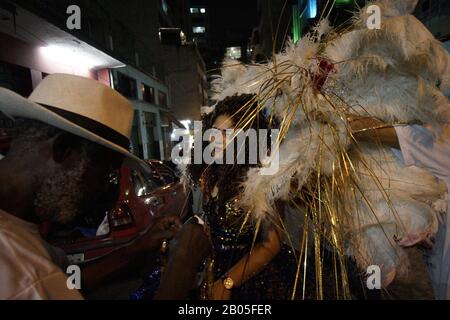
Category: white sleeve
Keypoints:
(425, 148)
(52, 287)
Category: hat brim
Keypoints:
(15, 106)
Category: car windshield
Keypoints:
(144, 184)
(167, 174)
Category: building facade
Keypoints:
(186, 78)
(186, 74)
(150, 100)
(118, 45)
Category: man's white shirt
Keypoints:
(27, 270)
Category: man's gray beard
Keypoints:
(60, 197)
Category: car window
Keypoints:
(140, 186)
(155, 177)
(154, 180)
(144, 184)
(95, 214)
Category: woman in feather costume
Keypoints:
(336, 97)
(247, 262)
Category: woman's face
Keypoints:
(222, 123)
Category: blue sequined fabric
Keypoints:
(149, 288)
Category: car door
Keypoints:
(148, 200)
(174, 189)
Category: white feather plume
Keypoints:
(397, 74)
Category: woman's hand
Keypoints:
(219, 291)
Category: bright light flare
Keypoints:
(70, 56)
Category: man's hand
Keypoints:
(187, 252)
(163, 228)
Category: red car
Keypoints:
(136, 195)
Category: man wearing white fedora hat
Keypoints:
(66, 139)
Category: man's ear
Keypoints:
(64, 146)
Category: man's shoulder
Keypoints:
(24, 260)
(21, 241)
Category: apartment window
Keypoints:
(126, 86)
(312, 9)
(234, 52)
(151, 124)
(165, 7)
(162, 99)
(194, 10)
(16, 78)
(199, 29)
(148, 94)
(136, 139)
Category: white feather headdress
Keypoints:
(397, 74)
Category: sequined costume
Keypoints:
(232, 238)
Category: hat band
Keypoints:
(93, 126)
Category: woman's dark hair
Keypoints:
(228, 177)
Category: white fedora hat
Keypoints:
(81, 106)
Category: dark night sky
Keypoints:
(232, 21)
(230, 24)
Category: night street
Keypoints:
(194, 151)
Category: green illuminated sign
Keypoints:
(295, 24)
(342, 2)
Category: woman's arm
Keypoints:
(250, 265)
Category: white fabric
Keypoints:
(103, 229)
(27, 271)
(429, 148)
